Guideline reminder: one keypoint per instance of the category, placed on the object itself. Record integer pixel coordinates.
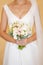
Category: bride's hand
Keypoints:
(22, 42)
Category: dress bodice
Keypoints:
(28, 18)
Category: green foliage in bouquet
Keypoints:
(10, 32)
(20, 47)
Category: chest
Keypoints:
(20, 11)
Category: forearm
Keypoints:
(32, 38)
(7, 37)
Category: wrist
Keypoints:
(28, 40)
(15, 40)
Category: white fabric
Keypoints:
(30, 54)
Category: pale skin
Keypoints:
(19, 8)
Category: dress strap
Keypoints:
(6, 10)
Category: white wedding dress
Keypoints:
(29, 54)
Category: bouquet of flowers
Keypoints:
(20, 31)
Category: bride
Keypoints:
(29, 49)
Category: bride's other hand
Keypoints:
(22, 42)
(26, 41)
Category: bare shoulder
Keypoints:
(3, 13)
(3, 20)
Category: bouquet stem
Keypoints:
(20, 47)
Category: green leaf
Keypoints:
(20, 47)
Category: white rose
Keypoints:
(24, 27)
(22, 32)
